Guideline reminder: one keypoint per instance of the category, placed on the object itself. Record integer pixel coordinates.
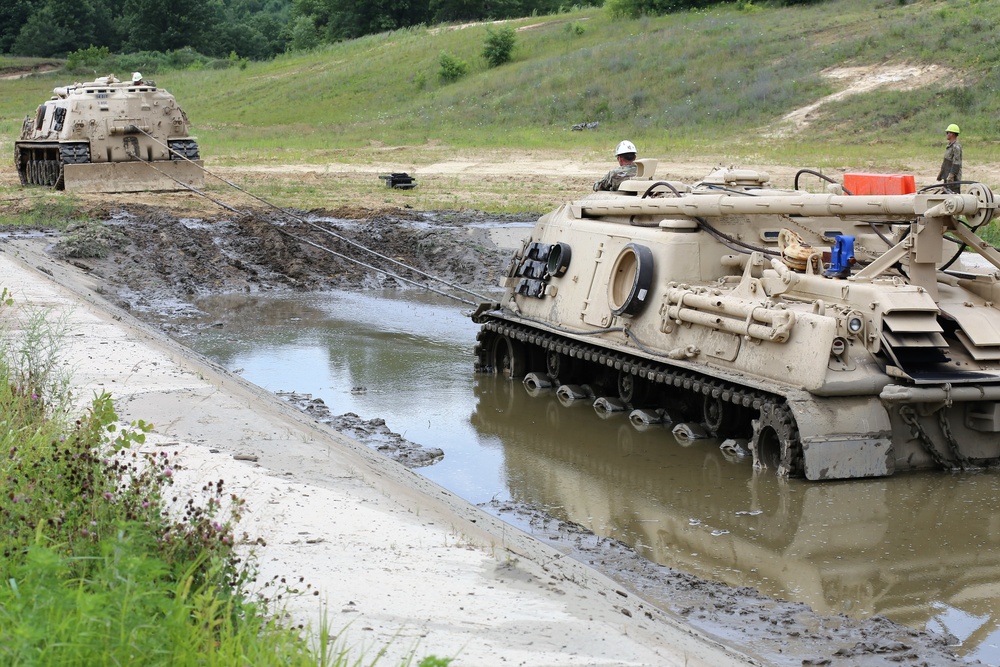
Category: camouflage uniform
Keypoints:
(951, 167)
(615, 177)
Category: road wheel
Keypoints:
(509, 358)
(775, 443)
(631, 388)
(723, 418)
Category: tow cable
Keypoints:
(317, 227)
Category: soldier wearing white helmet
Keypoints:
(626, 169)
(136, 79)
(951, 167)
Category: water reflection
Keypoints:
(919, 548)
(411, 352)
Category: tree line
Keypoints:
(256, 29)
(55, 28)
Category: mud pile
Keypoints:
(154, 262)
(372, 432)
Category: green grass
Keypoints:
(691, 83)
(711, 83)
(46, 209)
(93, 568)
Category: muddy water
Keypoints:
(921, 549)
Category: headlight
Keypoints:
(855, 324)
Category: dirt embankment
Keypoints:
(155, 262)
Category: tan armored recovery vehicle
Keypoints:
(108, 136)
(840, 334)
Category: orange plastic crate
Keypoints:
(879, 184)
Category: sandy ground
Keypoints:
(398, 563)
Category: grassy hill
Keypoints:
(718, 81)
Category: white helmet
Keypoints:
(136, 77)
(625, 147)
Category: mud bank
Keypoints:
(372, 432)
(153, 264)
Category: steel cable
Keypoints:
(318, 228)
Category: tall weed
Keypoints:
(95, 566)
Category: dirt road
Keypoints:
(448, 179)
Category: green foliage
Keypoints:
(58, 27)
(87, 485)
(499, 46)
(33, 389)
(434, 661)
(636, 8)
(439, 11)
(102, 561)
(347, 19)
(656, 80)
(303, 35)
(152, 25)
(149, 62)
(990, 233)
(48, 211)
(452, 68)
(234, 60)
(15, 13)
(90, 57)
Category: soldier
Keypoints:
(137, 79)
(951, 168)
(626, 169)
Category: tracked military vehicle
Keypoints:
(839, 333)
(108, 135)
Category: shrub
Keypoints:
(302, 34)
(90, 57)
(452, 68)
(633, 9)
(95, 569)
(499, 46)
